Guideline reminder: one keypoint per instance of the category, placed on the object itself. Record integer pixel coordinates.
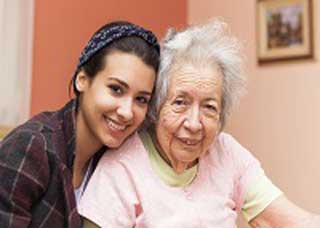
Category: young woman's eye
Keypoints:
(142, 100)
(116, 89)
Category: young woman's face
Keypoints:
(114, 103)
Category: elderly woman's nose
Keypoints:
(192, 121)
(125, 109)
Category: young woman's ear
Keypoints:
(82, 81)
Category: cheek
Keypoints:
(140, 114)
(95, 96)
(166, 127)
(170, 121)
(211, 132)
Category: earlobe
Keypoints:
(81, 81)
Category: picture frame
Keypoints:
(284, 30)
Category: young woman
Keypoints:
(46, 162)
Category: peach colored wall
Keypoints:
(279, 119)
(62, 28)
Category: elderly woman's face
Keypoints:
(189, 118)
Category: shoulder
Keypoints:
(120, 166)
(49, 122)
(23, 154)
(227, 144)
(131, 152)
(27, 144)
(35, 128)
(226, 141)
(27, 137)
(228, 150)
(42, 130)
(235, 161)
(24, 137)
(224, 146)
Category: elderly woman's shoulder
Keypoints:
(227, 144)
(228, 151)
(226, 139)
(129, 150)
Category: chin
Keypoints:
(187, 158)
(113, 143)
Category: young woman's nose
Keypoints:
(125, 109)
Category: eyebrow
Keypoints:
(146, 93)
(119, 81)
(186, 94)
(124, 84)
(213, 100)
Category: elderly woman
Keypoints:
(184, 171)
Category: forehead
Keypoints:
(129, 69)
(195, 79)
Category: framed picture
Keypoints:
(284, 30)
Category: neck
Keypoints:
(86, 146)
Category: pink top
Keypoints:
(124, 191)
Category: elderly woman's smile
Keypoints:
(189, 141)
(189, 118)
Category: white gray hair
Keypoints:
(201, 45)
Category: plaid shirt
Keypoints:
(36, 162)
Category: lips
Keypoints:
(113, 125)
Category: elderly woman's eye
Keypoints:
(179, 102)
(211, 107)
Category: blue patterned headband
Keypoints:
(105, 36)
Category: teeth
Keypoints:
(114, 125)
(189, 141)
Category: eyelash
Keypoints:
(142, 100)
(182, 102)
(211, 107)
(179, 102)
(116, 89)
